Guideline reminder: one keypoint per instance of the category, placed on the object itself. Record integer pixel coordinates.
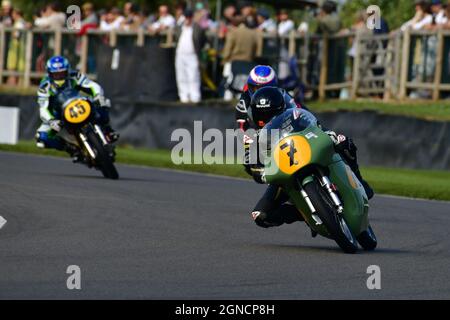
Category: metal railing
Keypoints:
(384, 65)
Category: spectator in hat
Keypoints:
(265, 23)
(190, 41)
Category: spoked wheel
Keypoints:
(335, 223)
(367, 239)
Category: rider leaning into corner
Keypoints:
(274, 209)
(60, 77)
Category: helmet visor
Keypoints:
(60, 75)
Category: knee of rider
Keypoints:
(259, 218)
(44, 140)
(41, 138)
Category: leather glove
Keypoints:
(55, 125)
(102, 102)
(258, 174)
(343, 145)
(337, 139)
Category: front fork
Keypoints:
(326, 184)
(86, 144)
(85, 141)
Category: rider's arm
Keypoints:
(43, 94)
(87, 85)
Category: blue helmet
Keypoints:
(261, 76)
(58, 70)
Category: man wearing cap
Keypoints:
(191, 40)
(265, 23)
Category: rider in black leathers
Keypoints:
(273, 209)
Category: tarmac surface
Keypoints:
(161, 234)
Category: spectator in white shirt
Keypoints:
(112, 20)
(51, 18)
(285, 25)
(265, 23)
(421, 17)
(438, 16)
(191, 39)
(165, 20)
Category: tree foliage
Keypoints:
(394, 12)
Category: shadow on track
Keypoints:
(330, 249)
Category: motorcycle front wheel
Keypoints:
(335, 223)
(103, 158)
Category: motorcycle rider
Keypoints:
(59, 77)
(273, 209)
(260, 76)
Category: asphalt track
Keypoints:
(159, 234)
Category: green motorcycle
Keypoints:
(300, 157)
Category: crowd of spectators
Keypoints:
(235, 27)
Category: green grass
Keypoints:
(402, 182)
(437, 111)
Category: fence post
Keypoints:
(405, 63)
(58, 41)
(140, 38)
(84, 53)
(2, 52)
(389, 69)
(323, 68)
(28, 57)
(397, 64)
(169, 38)
(356, 66)
(438, 70)
(112, 38)
(291, 49)
(305, 58)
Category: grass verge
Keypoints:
(433, 111)
(426, 184)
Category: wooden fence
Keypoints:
(360, 65)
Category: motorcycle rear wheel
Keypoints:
(335, 224)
